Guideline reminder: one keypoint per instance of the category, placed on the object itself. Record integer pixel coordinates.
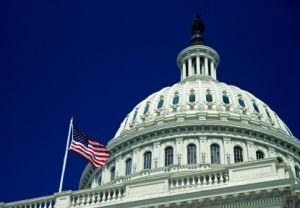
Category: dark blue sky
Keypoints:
(95, 60)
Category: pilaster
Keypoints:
(227, 150)
(203, 153)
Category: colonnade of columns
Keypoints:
(198, 65)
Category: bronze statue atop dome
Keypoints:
(198, 28)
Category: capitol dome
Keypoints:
(197, 141)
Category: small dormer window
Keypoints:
(192, 97)
(268, 114)
(146, 108)
(160, 103)
(134, 115)
(225, 99)
(255, 107)
(241, 102)
(176, 99)
(208, 96)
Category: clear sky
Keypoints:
(95, 60)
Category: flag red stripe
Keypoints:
(91, 154)
(82, 154)
(98, 153)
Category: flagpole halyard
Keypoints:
(70, 135)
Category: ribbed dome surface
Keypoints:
(240, 106)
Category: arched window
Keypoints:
(147, 160)
(297, 171)
(112, 173)
(241, 102)
(192, 97)
(259, 155)
(209, 98)
(176, 99)
(191, 154)
(146, 108)
(238, 154)
(160, 103)
(215, 154)
(169, 156)
(128, 166)
(225, 99)
(255, 107)
(280, 160)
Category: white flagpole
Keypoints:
(70, 135)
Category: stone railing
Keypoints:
(168, 169)
(97, 196)
(203, 178)
(41, 202)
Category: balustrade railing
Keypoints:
(172, 168)
(42, 202)
(97, 196)
(199, 179)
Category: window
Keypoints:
(160, 103)
(238, 154)
(147, 160)
(192, 97)
(241, 102)
(215, 154)
(128, 166)
(191, 154)
(259, 155)
(209, 98)
(112, 173)
(146, 108)
(255, 107)
(176, 99)
(280, 160)
(169, 156)
(297, 171)
(268, 114)
(134, 115)
(225, 99)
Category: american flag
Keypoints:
(88, 148)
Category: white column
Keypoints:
(198, 64)
(183, 71)
(213, 70)
(206, 66)
(190, 67)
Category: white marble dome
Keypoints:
(193, 102)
